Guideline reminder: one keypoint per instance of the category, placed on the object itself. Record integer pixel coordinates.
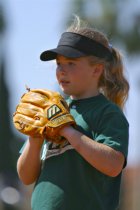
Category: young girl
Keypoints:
(84, 174)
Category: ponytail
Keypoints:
(113, 82)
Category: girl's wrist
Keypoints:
(67, 131)
(72, 135)
(37, 141)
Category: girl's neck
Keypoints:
(85, 95)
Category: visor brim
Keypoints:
(65, 51)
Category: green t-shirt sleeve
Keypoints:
(113, 130)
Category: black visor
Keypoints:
(73, 45)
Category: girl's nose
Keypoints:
(61, 69)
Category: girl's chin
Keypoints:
(65, 91)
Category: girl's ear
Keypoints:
(97, 69)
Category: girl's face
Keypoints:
(76, 76)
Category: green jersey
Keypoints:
(67, 181)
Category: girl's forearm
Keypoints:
(29, 163)
(100, 156)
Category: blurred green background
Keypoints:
(29, 27)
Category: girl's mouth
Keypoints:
(64, 82)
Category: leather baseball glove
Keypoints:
(42, 113)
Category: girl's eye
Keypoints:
(71, 63)
(57, 63)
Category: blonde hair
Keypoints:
(112, 82)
